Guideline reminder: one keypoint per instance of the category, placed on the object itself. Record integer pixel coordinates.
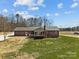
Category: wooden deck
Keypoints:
(37, 36)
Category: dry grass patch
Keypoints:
(11, 45)
(68, 33)
(1, 33)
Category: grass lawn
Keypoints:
(51, 48)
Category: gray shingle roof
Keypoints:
(34, 28)
(25, 28)
(52, 28)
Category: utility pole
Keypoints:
(45, 35)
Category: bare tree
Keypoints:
(17, 16)
(34, 21)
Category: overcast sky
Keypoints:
(64, 13)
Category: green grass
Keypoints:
(53, 48)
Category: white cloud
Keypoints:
(29, 3)
(34, 8)
(4, 11)
(60, 5)
(24, 2)
(56, 14)
(75, 0)
(21, 12)
(40, 2)
(74, 5)
(68, 12)
(24, 14)
(49, 14)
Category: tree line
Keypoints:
(8, 23)
(76, 28)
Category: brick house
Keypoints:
(36, 31)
